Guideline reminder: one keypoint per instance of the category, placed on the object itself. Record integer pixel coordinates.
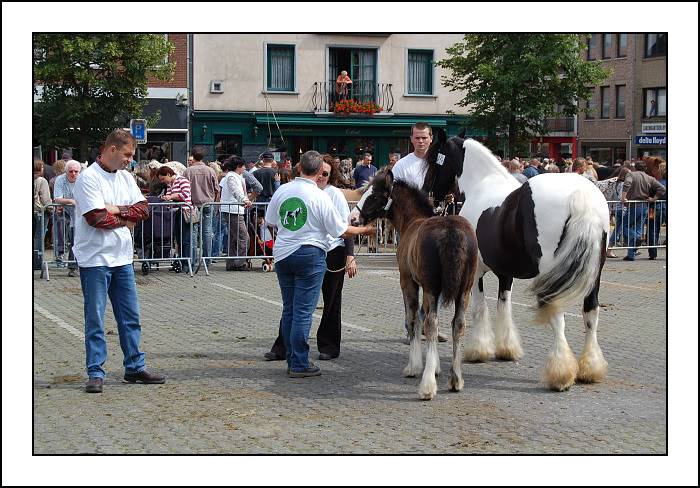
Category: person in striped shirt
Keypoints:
(179, 190)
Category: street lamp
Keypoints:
(204, 130)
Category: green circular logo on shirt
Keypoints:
(293, 214)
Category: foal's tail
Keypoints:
(458, 255)
(577, 260)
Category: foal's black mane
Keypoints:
(419, 198)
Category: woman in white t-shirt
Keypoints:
(305, 217)
(233, 191)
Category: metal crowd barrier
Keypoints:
(637, 224)
(237, 237)
(164, 237)
(161, 238)
(62, 233)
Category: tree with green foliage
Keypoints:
(514, 82)
(93, 83)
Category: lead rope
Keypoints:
(341, 269)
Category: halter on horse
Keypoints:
(437, 254)
(552, 229)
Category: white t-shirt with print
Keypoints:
(411, 169)
(304, 215)
(95, 188)
(341, 205)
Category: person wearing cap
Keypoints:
(305, 217)
(268, 178)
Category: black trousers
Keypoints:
(329, 333)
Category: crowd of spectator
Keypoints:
(213, 181)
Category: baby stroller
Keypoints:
(153, 237)
(260, 242)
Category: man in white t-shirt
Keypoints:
(108, 205)
(304, 216)
(412, 168)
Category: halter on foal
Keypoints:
(439, 255)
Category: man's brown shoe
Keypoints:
(94, 385)
(145, 377)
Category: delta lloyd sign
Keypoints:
(651, 140)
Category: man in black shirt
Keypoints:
(266, 176)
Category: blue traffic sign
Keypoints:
(138, 130)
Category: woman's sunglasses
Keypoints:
(325, 174)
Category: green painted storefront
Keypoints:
(250, 133)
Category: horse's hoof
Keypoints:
(476, 356)
(409, 373)
(455, 384)
(509, 354)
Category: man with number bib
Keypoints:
(304, 216)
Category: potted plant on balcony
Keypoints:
(354, 108)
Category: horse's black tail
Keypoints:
(458, 254)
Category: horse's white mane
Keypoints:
(481, 160)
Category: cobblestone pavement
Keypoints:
(209, 334)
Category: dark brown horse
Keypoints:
(437, 254)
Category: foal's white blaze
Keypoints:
(507, 338)
(428, 385)
(480, 342)
(592, 366)
(561, 367)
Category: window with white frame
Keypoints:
(280, 67)
(655, 102)
(419, 76)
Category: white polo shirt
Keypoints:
(94, 189)
(304, 215)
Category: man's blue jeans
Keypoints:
(119, 283)
(207, 230)
(220, 225)
(637, 215)
(619, 227)
(300, 276)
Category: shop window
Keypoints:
(226, 145)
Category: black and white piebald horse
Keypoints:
(552, 229)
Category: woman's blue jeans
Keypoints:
(300, 276)
(120, 285)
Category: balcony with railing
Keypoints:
(326, 95)
(560, 124)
